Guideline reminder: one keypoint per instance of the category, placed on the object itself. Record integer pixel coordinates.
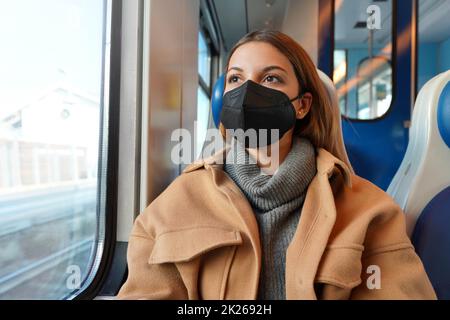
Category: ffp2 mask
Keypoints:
(253, 106)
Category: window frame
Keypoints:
(205, 29)
(392, 61)
(107, 179)
(205, 86)
(202, 85)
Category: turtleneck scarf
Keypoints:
(277, 201)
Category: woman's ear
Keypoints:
(305, 102)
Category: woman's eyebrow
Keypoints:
(270, 68)
(235, 68)
(265, 69)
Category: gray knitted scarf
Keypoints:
(277, 201)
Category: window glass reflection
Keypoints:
(363, 52)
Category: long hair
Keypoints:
(322, 125)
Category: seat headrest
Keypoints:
(216, 99)
(443, 114)
(219, 86)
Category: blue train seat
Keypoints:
(421, 185)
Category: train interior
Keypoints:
(93, 93)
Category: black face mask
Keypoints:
(253, 106)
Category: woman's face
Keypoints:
(266, 65)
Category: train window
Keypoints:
(51, 89)
(340, 75)
(363, 74)
(204, 88)
(204, 59)
(203, 102)
(381, 88)
(434, 39)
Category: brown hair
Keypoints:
(322, 124)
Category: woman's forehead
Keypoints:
(256, 55)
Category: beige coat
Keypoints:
(199, 240)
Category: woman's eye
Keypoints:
(272, 79)
(233, 79)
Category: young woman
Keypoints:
(303, 227)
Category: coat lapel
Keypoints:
(316, 223)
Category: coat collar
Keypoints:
(326, 163)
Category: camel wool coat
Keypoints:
(199, 239)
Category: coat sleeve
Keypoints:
(391, 269)
(401, 276)
(149, 281)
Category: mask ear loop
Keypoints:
(300, 96)
(302, 89)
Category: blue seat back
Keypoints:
(421, 185)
